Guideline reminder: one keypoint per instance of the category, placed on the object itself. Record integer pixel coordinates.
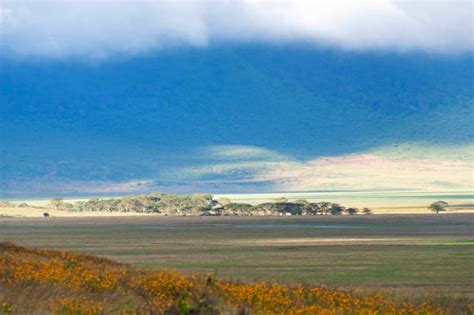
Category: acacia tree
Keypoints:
(312, 208)
(438, 206)
(352, 211)
(324, 207)
(336, 209)
(366, 211)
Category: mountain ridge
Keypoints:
(155, 111)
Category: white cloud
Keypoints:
(102, 28)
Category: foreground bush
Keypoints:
(36, 281)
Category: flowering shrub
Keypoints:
(79, 284)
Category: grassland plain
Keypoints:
(408, 256)
(38, 281)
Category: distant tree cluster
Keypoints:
(168, 204)
(203, 204)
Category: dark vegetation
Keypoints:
(438, 206)
(203, 205)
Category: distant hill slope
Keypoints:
(131, 119)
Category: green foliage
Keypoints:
(6, 308)
(367, 211)
(169, 204)
(438, 206)
(324, 207)
(336, 209)
(238, 209)
(351, 211)
(182, 304)
(201, 205)
(312, 208)
(280, 208)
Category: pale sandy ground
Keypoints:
(36, 212)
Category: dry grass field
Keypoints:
(34, 212)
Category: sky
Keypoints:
(113, 97)
(100, 29)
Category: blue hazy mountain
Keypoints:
(136, 117)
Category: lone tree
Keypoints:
(438, 206)
(352, 211)
(366, 211)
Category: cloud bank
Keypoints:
(96, 29)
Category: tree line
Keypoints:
(204, 204)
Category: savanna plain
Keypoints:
(407, 257)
